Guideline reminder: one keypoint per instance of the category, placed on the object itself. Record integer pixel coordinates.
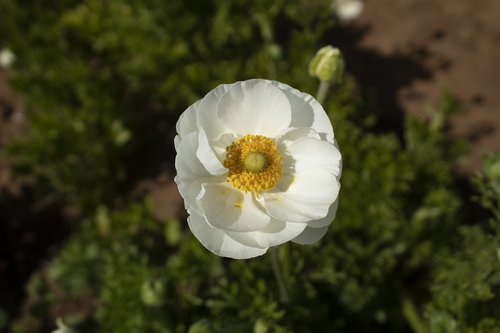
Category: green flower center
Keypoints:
(255, 162)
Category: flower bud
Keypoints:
(327, 64)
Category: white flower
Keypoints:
(348, 10)
(257, 166)
(7, 58)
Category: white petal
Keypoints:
(307, 198)
(219, 146)
(231, 209)
(254, 107)
(187, 121)
(276, 233)
(177, 141)
(307, 112)
(328, 219)
(207, 156)
(293, 134)
(186, 161)
(310, 235)
(217, 242)
(306, 153)
(207, 117)
(310, 183)
(190, 172)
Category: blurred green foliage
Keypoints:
(108, 78)
(105, 82)
(466, 281)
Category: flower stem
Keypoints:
(411, 314)
(267, 34)
(275, 262)
(322, 91)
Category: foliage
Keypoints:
(108, 76)
(466, 282)
(105, 82)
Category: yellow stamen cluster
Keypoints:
(254, 163)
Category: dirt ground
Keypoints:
(404, 52)
(454, 45)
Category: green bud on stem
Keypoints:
(327, 64)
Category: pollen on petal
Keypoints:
(254, 162)
(238, 204)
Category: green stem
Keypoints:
(277, 275)
(266, 32)
(322, 91)
(411, 314)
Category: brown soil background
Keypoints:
(404, 53)
(456, 43)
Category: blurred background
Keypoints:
(92, 228)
